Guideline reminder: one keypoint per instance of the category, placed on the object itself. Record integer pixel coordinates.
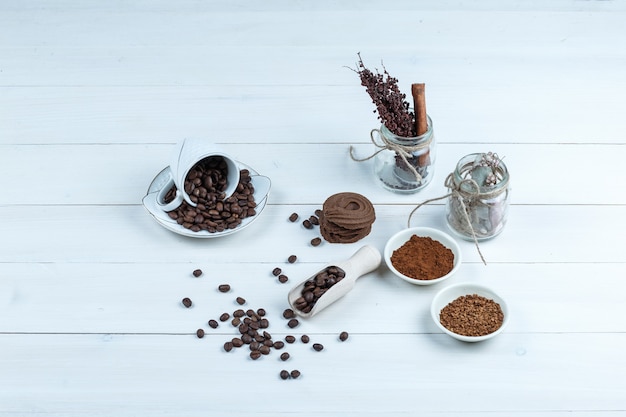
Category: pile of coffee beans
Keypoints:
(315, 287)
(472, 315)
(205, 184)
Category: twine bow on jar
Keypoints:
(403, 151)
(465, 192)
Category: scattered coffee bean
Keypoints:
(293, 218)
(224, 288)
(265, 350)
(293, 323)
(318, 347)
(255, 345)
(224, 316)
(284, 356)
(314, 220)
(236, 321)
(290, 339)
(237, 342)
(277, 271)
(284, 374)
(264, 323)
(261, 312)
(292, 259)
(316, 241)
(240, 300)
(200, 333)
(197, 273)
(278, 345)
(307, 224)
(289, 313)
(228, 346)
(250, 313)
(255, 354)
(239, 313)
(283, 278)
(343, 336)
(187, 302)
(318, 212)
(213, 324)
(295, 374)
(304, 338)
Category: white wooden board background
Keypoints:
(93, 96)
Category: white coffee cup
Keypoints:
(186, 155)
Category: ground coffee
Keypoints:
(472, 315)
(423, 258)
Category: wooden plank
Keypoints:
(170, 375)
(121, 173)
(145, 298)
(127, 234)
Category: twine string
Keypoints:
(404, 151)
(457, 191)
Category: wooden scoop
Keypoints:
(360, 263)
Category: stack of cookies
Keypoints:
(346, 218)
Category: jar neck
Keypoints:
(411, 140)
(465, 170)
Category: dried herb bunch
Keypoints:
(391, 105)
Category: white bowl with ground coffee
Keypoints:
(422, 255)
(469, 312)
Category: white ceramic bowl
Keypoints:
(400, 238)
(452, 292)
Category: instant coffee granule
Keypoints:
(472, 315)
(423, 258)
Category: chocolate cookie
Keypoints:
(346, 218)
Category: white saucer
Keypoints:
(261, 185)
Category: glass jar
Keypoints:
(405, 164)
(477, 207)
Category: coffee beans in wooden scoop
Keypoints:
(315, 287)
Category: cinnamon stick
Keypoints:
(419, 104)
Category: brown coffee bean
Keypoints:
(235, 321)
(240, 300)
(318, 347)
(316, 241)
(224, 316)
(304, 338)
(197, 273)
(278, 345)
(307, 224)
(293, 218)
(264, 323)
(343, 336)
(265, 350)
(246, 338)
(250, 313)
(277, 271)
(284, 374)
(293, 323)
(295, 374)
(237, 342)
(187, 302)
(255, 354)
(200, 333)
(261, 312)
(292, 259)
(255, 345)
(228, 346)
(284, 356)
(239, 313)
(314, 220)
(289, 313)
(290, 339)
(213, 324)
(283, 278)
(224, 288)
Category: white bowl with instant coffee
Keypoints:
(469, 312)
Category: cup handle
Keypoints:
(175, 203)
